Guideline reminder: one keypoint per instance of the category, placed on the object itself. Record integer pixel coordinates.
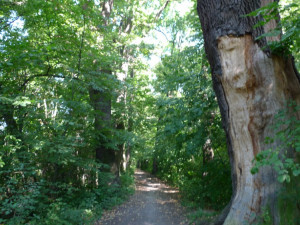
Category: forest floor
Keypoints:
(154, 203)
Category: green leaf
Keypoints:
(283, 178)
(297, 146)
(1, 162)
(21, 101)
(254, 170)
(296, 172)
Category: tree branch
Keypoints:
(6, 23)
(47, 74)
(41, 75)
(162, 9)
(163, 34)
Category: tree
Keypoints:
(186, 116)
(47, 121)
(251, 84)
(122, 26)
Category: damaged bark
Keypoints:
(251, 85)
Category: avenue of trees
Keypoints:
(81, 107)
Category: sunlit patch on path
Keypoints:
(154, 203)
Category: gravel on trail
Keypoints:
(154, 203)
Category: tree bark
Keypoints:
(101, 102)
(128, 146)
(251, 85)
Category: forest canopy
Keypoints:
(91, 89)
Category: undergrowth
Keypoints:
(49, 203)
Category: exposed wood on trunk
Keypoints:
(256, 87)
(251, 86)
(272, 24)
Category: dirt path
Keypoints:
(153, 203)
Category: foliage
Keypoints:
(53, 53)
(57, 54)
(287, 128)
(289, 202)
(206, 216)
(187, 120)
(282, 159)
(288, 27)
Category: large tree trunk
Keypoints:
(251, 86)
(127, 151)
(128, 146)
(101, 102)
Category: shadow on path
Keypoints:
(154, 203)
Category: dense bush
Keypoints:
(60, 203)
(202, 185)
